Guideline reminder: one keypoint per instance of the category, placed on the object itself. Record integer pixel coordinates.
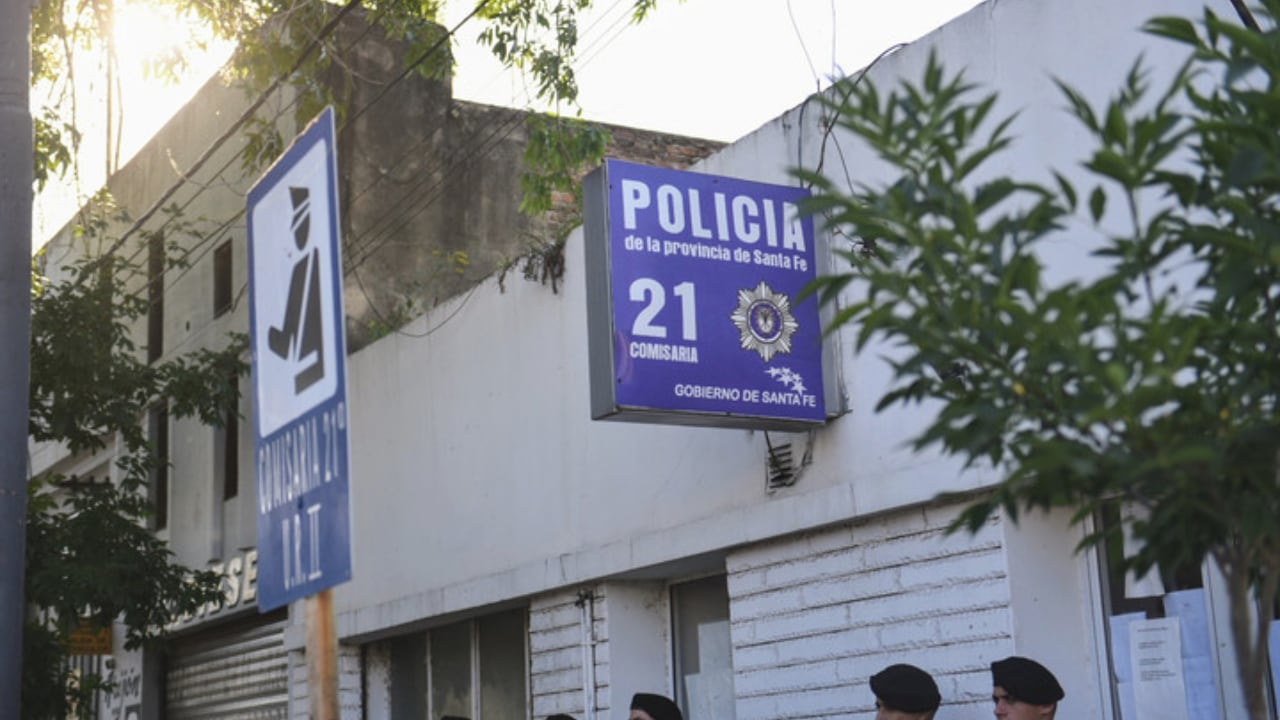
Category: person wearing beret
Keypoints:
(648, 706)
(905, 692)
(1023, 689)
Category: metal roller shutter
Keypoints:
(239, 671)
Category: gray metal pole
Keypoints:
(15, 334)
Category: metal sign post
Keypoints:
(299, 371)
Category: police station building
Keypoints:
(661, 477)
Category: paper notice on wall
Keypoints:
(1120, 644)
(715, 649)
(1124, 690)
(1188, 606)
(1275, 654)
(1121, 667)
(1155, 654)
(710, 695)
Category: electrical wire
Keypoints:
(828, 126)
(817, 81)
(425, 333)
(244, 118)
(434, 48)
(481, 149)
(186, 177)
(364, 245)
(503, 131)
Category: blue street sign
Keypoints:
(299, 371)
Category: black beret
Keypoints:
(559, 716)
(906, 688)
(658, 707)
(1026, 680)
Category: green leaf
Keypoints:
(1097, 203)
(1174, 28)
(1107, 163)
(1067, 189)
(1116, 131)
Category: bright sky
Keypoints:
(715, 69)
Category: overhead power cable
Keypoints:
(185, 178)
(426, 54)
(244, 118)
(480, 149)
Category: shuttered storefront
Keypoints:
(237, 671)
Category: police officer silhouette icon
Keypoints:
(299, 339)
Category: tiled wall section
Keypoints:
(299, 700)
(814, 615)
(556, 653)
(350, 700)
(350, 688)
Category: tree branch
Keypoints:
(1246, 15)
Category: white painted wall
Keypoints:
(1054, 609)
(478, 474)
(639, 632)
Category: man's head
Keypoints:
(647, 706)
(1023, 689)
(905, 692)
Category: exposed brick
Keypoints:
(799, 622)
(561, 637)
(555, 649)
(791, 548)
(815, 615)
(554, 617)
(567, 679)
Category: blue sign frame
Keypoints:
(692, 311)
(298, 346)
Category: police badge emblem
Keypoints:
(764, 321)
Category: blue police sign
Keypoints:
(692, 309)
(299, 372)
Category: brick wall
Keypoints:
(350, 683)
(556, 651)
(350, 696)
(634, 145)
(299, 700)
(813, 616)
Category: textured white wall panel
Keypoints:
(815, 615)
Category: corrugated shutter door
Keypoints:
(235, 672)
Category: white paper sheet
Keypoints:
(1120, 664)
(1120, 645)
(710, 695)
(1155, 651)
(1274, 649)
(1189, 607)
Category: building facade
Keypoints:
(515, 559)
